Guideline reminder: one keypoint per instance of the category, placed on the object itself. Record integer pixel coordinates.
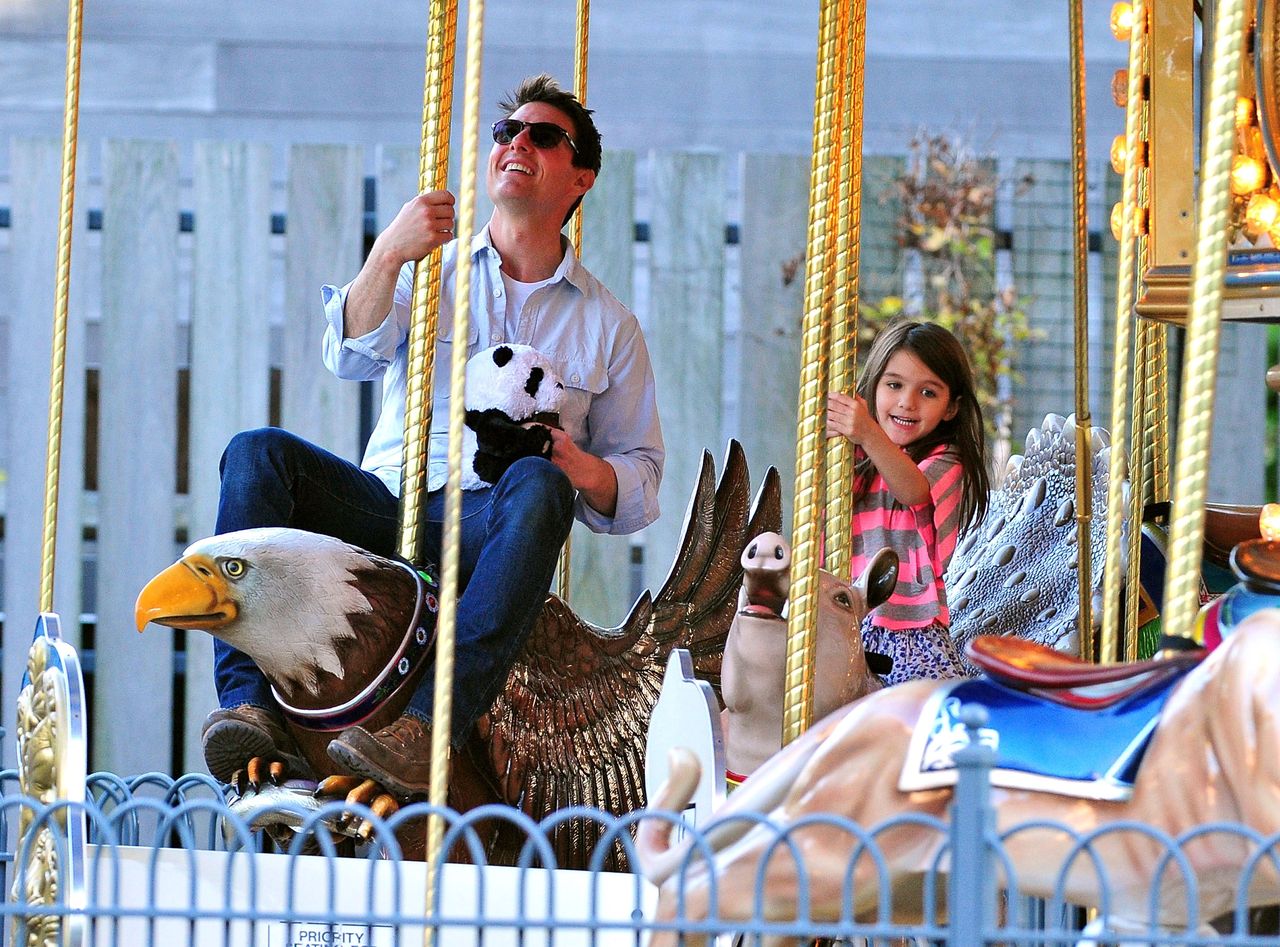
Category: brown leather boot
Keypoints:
(398, 756)
(233, 736)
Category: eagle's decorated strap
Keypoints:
(1039, 744)
(413, 653)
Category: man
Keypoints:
(527, 287)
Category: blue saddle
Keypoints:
(1084, 739)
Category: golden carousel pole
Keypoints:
(1084, 420)
(62, 295)
(451, 539)
(433, 174)
(580, 50)
(843, 341)
(1125, 274)
(1200, 360)
(1139, 486)
(810, 437)
(581, 38)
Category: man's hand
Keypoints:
(848, 416)
(594, 478)
(423, 224)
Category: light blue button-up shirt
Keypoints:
(594, 341)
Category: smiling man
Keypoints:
(606, 462)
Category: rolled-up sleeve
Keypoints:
(625, 432)
(365, 356)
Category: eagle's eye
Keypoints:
(234, 568)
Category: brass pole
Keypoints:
(843, 343)
(1084, 419)
(798, 699)
(62, 295)
(580, 50)
(1186, 528)
(1120, 392)
(1158, 420)
(582, 35)
(433, 174)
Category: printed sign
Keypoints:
(286, 934)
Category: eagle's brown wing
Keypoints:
(570, 726)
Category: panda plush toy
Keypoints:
(507, 387)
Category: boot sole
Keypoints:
(357, 763)
(230, 744)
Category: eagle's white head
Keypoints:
(284, 597)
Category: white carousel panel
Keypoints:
(359, 899)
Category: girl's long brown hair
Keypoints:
(943, 355)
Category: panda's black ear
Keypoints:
(502, 354)
(535, 379)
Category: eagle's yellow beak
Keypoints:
(191, 593)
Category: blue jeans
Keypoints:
(511, 538)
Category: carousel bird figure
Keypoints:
(343, 636)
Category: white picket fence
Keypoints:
(237, 304)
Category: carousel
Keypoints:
(1106, 775)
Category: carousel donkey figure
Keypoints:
(343, 635)
(1175, 743)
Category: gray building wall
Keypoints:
(670, 74)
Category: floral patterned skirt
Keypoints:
(928, 652)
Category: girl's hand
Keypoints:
(848, 416)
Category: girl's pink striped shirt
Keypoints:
(923, 536)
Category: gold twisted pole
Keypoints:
(580, 50)
(62, 295)
(1128, 641)
(433, 174)
(1186, 529)
(1158, 417)
(798, 698)
(1123, 341)
(843, 343)
(1084, 419)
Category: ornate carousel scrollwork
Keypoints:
(51, 770)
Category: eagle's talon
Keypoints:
(337, 787)
(364, 793)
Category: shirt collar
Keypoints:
(570, 268)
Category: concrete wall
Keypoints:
(663, 73)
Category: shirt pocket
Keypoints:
(584, 378)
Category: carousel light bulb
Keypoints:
(1120, 88)
(1119, 154)
(1261, 213)
(1117, 219)
(1247, 175)
(1269, 521)
(1122, 21)
(1244, 111)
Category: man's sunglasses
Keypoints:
(545, 135)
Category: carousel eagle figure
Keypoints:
(343, 636)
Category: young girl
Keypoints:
(920, 478)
